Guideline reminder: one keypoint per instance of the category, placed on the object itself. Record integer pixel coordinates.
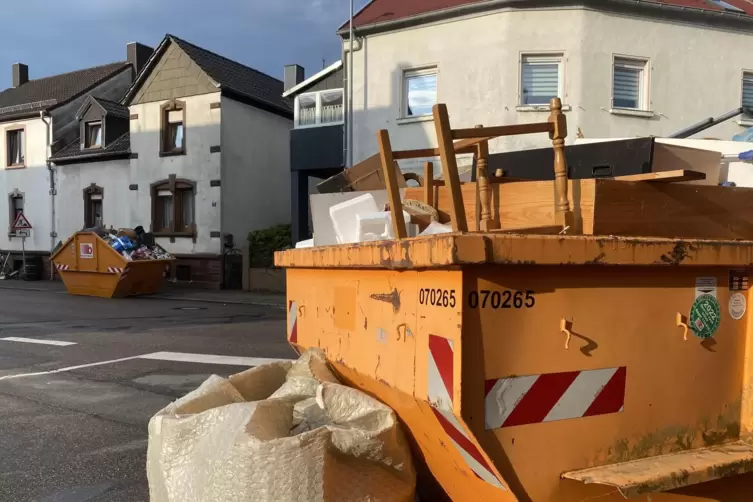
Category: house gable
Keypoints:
(91, 111)
(175, 75)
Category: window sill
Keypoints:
(412, 120)
(540, 108)
(172, 154)
(17, 166)
(632, 113)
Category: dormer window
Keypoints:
(94, 134)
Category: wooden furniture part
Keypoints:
(666, 176)
(486, 222)
(605, 207)
(429, 183)
(388, 158)
(390, 178)
(556, 126)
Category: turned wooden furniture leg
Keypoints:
(393, 192)
(484, 187)
(450, 167)
(563, 214)
(429, 183)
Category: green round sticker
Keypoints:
(705, 316)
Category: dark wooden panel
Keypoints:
(592, 160)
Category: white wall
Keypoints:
(696, 74)
(33, 181)
(202, 130)
(255, 169)
(113, 176)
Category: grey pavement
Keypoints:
(171, 292)
(76, 430)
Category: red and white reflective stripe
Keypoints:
(441, 378)
(440, 394)
(124, 274)
(554, 396)
(292, 322)
(472, 455)
(115, 270)
(62, 267)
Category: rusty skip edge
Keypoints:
(508, 249)
(672, 471)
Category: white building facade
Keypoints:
(622, 69)
(207, 158)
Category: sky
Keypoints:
(54, 36)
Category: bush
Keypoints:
(263, 244)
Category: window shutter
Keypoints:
(540, 82)
(748, 90)
(627, 86)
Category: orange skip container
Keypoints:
(546, 368)
(90, 267)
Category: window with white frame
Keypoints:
(419, 92)
(630, 83)
(541, 78)
(320, 108)
(747, 93)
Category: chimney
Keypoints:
(138, 54)
(20, 74)
(294, 75)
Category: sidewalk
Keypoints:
(169, 292)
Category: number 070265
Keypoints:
(437, 297)
(505, 299)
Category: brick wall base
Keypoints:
(196, 271)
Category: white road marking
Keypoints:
(210, 359)
(69, 368)
(162, 356)
(37, 340)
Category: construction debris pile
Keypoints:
(284, 432)
(133, 244)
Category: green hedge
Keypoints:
(263, 244)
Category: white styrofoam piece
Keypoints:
(324, 231)
(372, 223)
(344, 220)
(308, 243)
(436, 228)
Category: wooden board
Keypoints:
(672, 157)
(519, 206)
(665, 176)
(363, 177)
(621, 208)
(671, 210)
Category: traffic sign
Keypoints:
(21, 223)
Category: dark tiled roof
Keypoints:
(380, 11)
(113, 109)
(237, 77)
(50, 91)
(73, 152)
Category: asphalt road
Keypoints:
(74, 411)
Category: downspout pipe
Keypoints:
(45, 117)
(354, 45)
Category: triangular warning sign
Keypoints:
(21, 223)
